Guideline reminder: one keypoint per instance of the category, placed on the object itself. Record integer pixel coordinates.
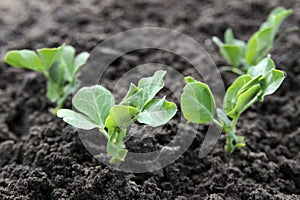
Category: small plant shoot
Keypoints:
(59, 66)
(198, 104)
(96, 109)
(242, 56)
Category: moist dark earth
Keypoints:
(43, 158)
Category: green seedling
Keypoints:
(96, 109)
(59, 66)
(198, 104)
(242, 56)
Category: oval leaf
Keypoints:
(24, 59)
(120, 116)
(157, 112)
(76, 119)
(197, 103)
(151, 86)
(231, 93)
(95, 102)
(271, 82)
(50, 55)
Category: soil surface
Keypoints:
(43, 158)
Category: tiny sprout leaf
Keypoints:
(56, 73)
(262, 41)
(245, 100)
(258, 46)
(271, 82)
(157, 112)
(50, 55)
(76, 119)
(79, 61)
(24, 59)
(68, 61)
(232, 54)
(53, 91)
(232, 91)
(151, 86)
(262, 68)
(197, 103)
(232, 50)
(133, 97)
(120, 116)
(95, 102)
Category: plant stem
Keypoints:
(217, 123)
(104, 132)
(231, 69)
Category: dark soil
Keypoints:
(43, 158)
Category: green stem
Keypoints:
(231, 69)
(232, 137)
(104, 132)
(217, 123)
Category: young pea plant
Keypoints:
(242, 56)
(58, 65)
(198, 104)
(97, 109)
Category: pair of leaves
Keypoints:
(261, 80)
(232, 50)
(59, 65)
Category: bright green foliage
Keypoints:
(237, 53)
(197, 102)
(98, 110)
(59, 66)
(198, 106)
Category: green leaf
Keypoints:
(79, 61)
(24, 59)
(232, 91)
(57, 74)
(197, 102)
(262, 41)
(249, 85)
(232, 50)
(258, 46)
(133, 97)
(50, 55)
(262, 68)
(54, 91)
(228, 36)
(95, 102)
(271, 82)
(275, 18)
(120, 116)
(217, 41)
(68, 58)
(151, 86)
(76, 119)
(232, 54)
(245, 100)
(157, 112)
